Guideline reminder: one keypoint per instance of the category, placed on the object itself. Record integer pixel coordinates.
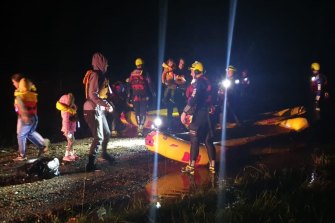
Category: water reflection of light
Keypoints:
(174, 185)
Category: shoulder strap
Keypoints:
(85, 81)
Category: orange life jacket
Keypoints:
(26, 98)
(104, 89)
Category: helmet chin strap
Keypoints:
(199, 75)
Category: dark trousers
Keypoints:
(169, 94)
(180, 99)
(114, 121)
(202, 129)
(140, 107)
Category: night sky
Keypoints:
(53, 41)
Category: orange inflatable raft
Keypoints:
(275, 123)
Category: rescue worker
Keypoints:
(190, 87)
(244, 98)
(319, 94)
(119, 99)
(245, 84)
(140, 92)
(95, 107)
(201, 124)
(229, 86)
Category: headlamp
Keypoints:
(226, 83)
(157, 123)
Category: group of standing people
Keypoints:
(175, 80)
(192, 97)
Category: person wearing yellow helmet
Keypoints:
(230, 71)
(319, 94)
(119, 99)
(230, 86)
(201, 126)
(315, 66)
(140, 92)
(197, 67)
(245, 84)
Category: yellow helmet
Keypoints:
(231, 67)
(139, 61)
(197, 66)
(315, 66)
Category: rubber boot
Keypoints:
(140, 130)
(139, 126)
(142, 120)
(108, 157)
(91, 166)
(138, 119)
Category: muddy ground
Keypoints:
(23, 195)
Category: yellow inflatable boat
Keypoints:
(177, 147)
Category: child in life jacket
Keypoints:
(69, 123)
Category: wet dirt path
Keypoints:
(122, 182)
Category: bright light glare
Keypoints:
(226, 83)
(237, 81)
(127, 143)
(158, 205)
(158, 121)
